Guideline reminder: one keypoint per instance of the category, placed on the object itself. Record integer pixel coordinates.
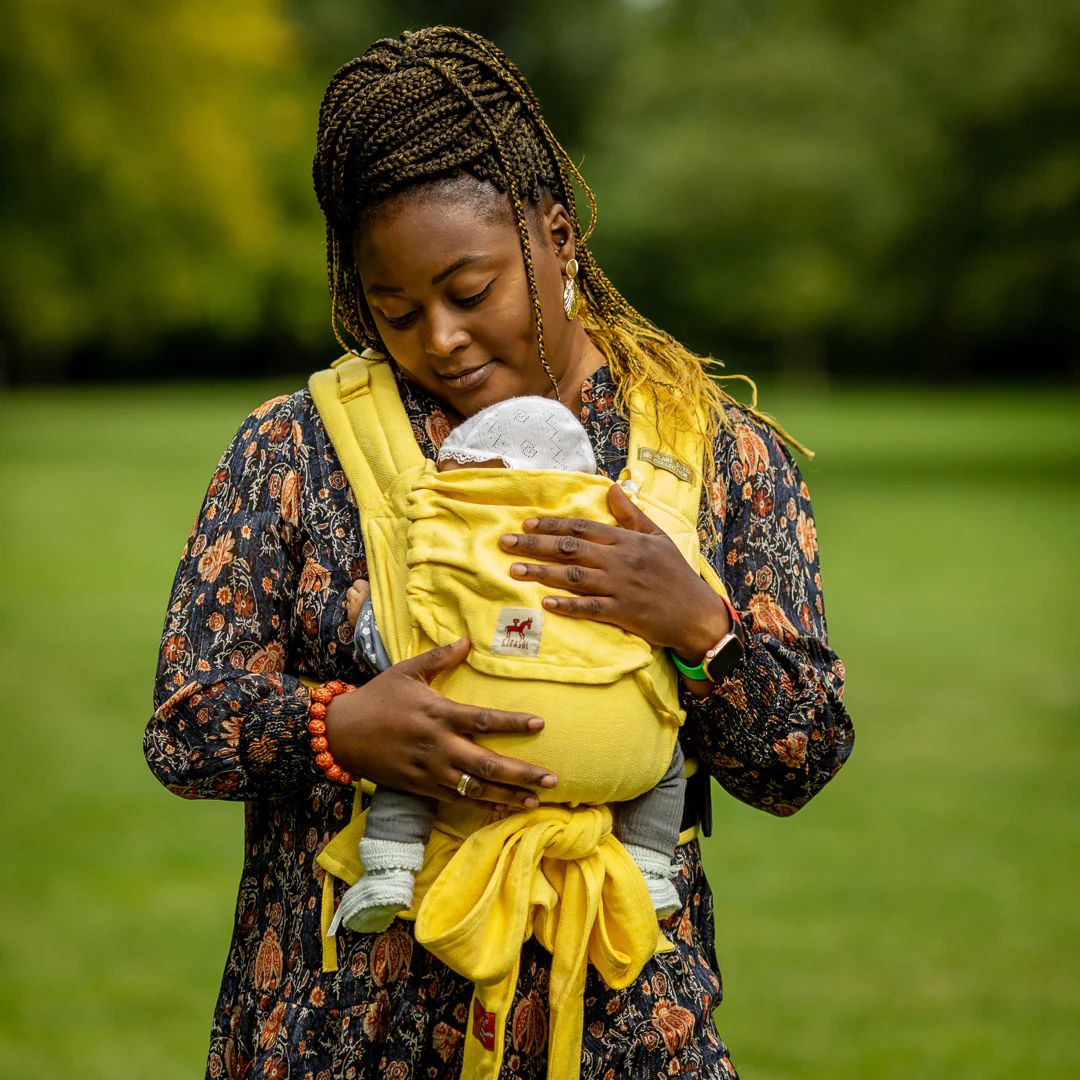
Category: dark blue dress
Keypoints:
(259, 600)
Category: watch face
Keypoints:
(726, 659)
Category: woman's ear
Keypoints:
(557, 228)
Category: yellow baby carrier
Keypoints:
(609, 702)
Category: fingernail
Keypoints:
(535, 723)
(531, 523)
(549, 781)
(532, 802)
(518, 569)
(550, 603)
(508, 541)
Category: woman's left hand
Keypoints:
(631, 575)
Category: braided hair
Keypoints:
(442, 102)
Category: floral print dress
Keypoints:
(259, 602)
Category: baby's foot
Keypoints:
(386, 888)
(657, 869)
(370, 906)
(356, 598)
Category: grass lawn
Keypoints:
(919, 919)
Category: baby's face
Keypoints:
(449, 465)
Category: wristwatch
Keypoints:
(723, 657)
(726, 654)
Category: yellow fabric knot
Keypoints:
(554, 872)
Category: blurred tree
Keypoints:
(150, 175)
(829, 178)
(844, 187)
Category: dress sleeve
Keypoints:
(775, 731)
(228, 723)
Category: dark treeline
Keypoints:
(824, 187)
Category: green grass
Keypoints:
(919, 919)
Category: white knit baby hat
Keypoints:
(524, 433)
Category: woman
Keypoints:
(451, 230)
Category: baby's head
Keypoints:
(519, 433)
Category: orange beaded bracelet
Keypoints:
(321, 696)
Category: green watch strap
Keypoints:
(697, 672)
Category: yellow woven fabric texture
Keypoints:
(559, 874)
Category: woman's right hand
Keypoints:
(397, 731)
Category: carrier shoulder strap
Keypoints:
(358, 401)
(366, 422)
(665, 464)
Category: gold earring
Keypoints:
(571, 294)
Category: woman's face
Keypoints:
(443, 275)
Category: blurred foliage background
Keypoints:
(818, 187)
(872, 208)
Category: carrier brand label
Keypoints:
(483, 1025)
(517, 632)
(666, 462)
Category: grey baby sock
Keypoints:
(385, 889)
(657, 869)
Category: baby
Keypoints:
(529, 433)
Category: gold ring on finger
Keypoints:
(463, 784)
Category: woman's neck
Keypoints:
(587, 358)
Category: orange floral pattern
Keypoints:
(390, 956)
(806, 532)
(259, 601)
(770, 617)
(268, 962)
(216, 557)
(752, 450)
(529, 1026)
(675, 1024)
